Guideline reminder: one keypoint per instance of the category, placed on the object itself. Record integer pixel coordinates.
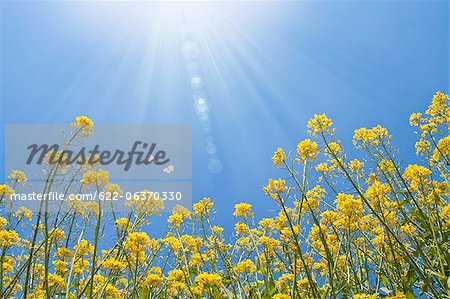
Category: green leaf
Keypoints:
(410, 296)
(144, 294)
(385, 290)
(384, 280)
(230, 294)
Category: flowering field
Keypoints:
(366, 227)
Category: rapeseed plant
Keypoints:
(360, 228)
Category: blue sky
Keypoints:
(267, 67)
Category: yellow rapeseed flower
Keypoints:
(18, 176)
(307, 150)
(246, 266)
(279, 156)
(318, 124)
(84, 124)
(243, 209)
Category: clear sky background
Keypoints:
(266, 68)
